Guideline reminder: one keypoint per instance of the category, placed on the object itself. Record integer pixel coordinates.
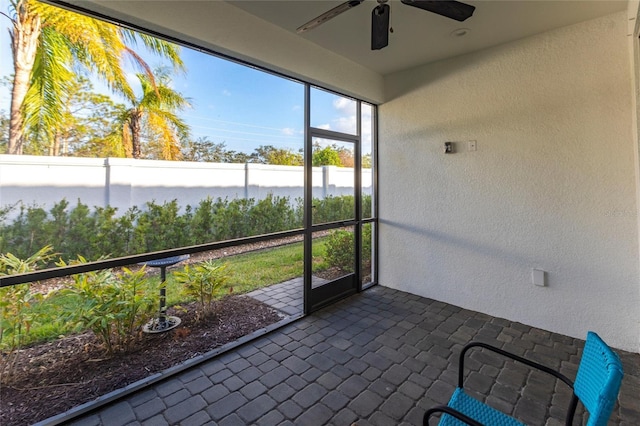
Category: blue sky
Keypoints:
(239, 105)
(232, 103)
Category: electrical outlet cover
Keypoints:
(538, 277)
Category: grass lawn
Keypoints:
(251, 271)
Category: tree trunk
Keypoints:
(55, 151)
(24, 43)
(135, 125)
(64, 146)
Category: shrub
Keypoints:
(16, 318)
(367, 244)
(272, 214)
(111, 234)
(331, 209)
(78, 233)
(232, 218)
(203, 282)
(113, 305)
(203, 222)
(160, 227)
(366, 206)
(340, 249)
(99, 232)
(26, 232)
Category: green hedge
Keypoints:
(99, 232)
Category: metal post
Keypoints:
(162, 317)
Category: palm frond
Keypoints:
(160, 47)
(73, 45)
(165, 137)
(97, 46)
(50, 82)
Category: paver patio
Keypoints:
(377, 358)
(287, 296)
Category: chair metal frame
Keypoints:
(462, 417)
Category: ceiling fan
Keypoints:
(380, 16)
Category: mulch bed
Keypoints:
(53, 377)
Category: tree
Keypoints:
(346, 157)
(366, 161)
(202, 149)
(268, 154)
(49, 46)
(240, 157)
(154, 113)
(4, 119)
(4, 130)
(90, 127)
(88, 121)
(327, 156)
(285, 157)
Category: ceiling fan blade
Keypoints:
(380, 27)
(449, 8)
(330, 14)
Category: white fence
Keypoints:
(123, 183)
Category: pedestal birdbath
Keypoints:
(163, 322)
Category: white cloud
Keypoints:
(324, 126)
(346, 120)
(288, 131)
(345, 124)
(348, 106)
(225, 92)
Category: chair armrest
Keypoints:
(514, 357)
(448, 410)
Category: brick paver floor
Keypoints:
(381, 357)
(288, 296)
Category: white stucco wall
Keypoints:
(123, 182)
(552, 184)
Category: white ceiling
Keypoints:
(419, 36)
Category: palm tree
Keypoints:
(50, 45)
(154, 115)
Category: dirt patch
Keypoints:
(332, 273)
(53, 377)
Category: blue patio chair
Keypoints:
(596, 387)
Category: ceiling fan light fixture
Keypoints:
(330, 14)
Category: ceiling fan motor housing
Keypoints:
(380, 26)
